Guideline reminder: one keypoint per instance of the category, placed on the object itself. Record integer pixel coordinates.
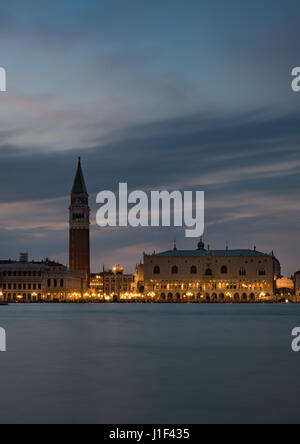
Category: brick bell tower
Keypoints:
(79, 245)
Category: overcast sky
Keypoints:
(162, 94)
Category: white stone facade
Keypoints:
(37, 282)
(211, 276)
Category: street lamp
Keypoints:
(118, 270)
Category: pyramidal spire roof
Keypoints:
(79, 183)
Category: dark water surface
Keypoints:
(149, 364)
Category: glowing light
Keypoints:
(118, 269)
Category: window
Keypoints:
(78, 216)
(156, 270)
(224, 270)
(175, 269)
(193, 269)
(61, 282)
(262, 272)
(242, 272)
(49, 282)
(208, 272)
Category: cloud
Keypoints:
(250, 181)
(197, 98)
(18, 216)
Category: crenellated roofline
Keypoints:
(204, 252)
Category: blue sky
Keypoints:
(173, 94)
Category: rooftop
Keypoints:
(33, 265)
(204, 252)
(24, 266)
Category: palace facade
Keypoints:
(206, 275)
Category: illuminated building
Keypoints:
(116, 282)
(284, 288)
(205, 275)
(96, 283)
(26, 281)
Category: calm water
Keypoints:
(149, 364)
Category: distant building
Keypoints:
(114, 282)
(96, 284)
(211, 275)
(26, 281)
(24, 257)
(285, 288)
(79, 242)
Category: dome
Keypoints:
(201, 244)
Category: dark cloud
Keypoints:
(108, 78)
